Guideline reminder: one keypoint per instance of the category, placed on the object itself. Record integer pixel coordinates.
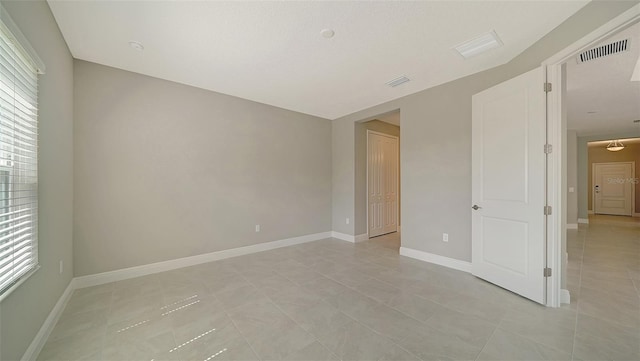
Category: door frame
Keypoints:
(369, 131)
(633, 188)
(556, 136)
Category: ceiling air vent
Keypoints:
(604, 50)
(397, 81)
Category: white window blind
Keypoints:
(18, 161)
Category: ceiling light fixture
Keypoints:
(327, 33)
(136, 45)
(479, 44)
(615, 146)
(397, 81)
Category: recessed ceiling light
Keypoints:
(327, 33)
(397, 81)
(136, 45)
(479, 44)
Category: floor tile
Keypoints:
(507, 346)
(333, 300)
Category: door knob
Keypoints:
(476, 207)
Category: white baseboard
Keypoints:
(565, 296)
(437, 259)
(126, 273)
(572, 225)
(43, 334)
(361, 237)
(343, 236)
(583, 221)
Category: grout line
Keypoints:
(486, 343)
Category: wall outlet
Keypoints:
(571, 190)
(257, 228)
(61, 266)
(445, 237)
(347, 221)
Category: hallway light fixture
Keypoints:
(615, 145)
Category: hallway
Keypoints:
(604, 281)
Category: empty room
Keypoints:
(319, 180)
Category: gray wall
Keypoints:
(436, 143)
(583, 167)
(361, 168)
(343, 176)
(25, 310)
(572, 177)
(164, 171)
(600, 154)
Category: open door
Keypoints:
(508, 177)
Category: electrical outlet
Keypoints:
(445, 237)
(61, 266)
(257, 228)
(348, 221)
(571, 189)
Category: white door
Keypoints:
(508, 185)
(382, 183)
(613, 188)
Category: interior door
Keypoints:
(508, 185)
(382, 183)
(613, 188)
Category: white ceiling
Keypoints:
(272, 52)
(604, 86)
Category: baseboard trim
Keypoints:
(132, 272)
(565, 296)
(590, 212)
(436, 259)
(38, 342)
(583, 221)
(572, 225)
(361, 237)
(343, 236)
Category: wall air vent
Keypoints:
(604, 50)
(397, 81)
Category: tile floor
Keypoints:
(332, 300)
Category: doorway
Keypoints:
(613, 188)
(580, 111)
(387, 124)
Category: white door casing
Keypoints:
(613, 188)
(382, 183)
(508, 185)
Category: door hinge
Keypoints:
(547, 87)
(547, 272)
(548, 148)
(547, 210)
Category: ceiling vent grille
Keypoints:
(397, 81)
(604, 50)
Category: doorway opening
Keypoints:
(591, 101)
(377, 178)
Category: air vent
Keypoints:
(397, 81)
(604, 50)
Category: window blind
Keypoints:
(18, 161)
